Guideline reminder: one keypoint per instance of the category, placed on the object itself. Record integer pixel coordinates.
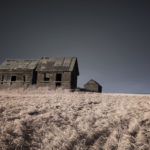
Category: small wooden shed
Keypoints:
(93, 86)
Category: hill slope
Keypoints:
(63, 120)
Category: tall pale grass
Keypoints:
(40, 119)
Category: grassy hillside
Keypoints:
(62, 120)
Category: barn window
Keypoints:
(46, 77)
(13, 78)
(58, 77)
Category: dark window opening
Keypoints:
(34, 77)
(13, 78)
(58, 84)
(24, 78)
(2, 79)
(46, 77)
(58, 77)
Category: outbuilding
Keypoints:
(93, 86)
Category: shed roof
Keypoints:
(57, 64)
(92, 82)
(18, 64)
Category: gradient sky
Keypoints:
(110, 38)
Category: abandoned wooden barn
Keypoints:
(58, 72)
(51, 72)
(93, 86)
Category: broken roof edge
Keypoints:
(21, 60)
(45, 57)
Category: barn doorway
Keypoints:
(13, 78)
(24, 78)
(58, 79)
(58, 84)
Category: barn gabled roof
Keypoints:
(18, 64)
(57, 64)
(48, 64)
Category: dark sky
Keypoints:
(110, 38)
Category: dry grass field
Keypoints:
(61, 120)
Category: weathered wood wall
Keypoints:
(22, 78)
(65, 81)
